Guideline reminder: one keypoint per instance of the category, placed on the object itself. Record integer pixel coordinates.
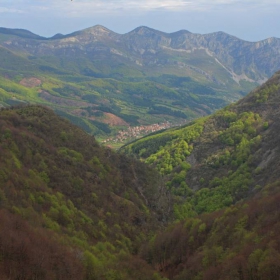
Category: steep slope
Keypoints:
(231, 157)
(95, 206)
(219, 160)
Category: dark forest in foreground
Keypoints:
(206, 208)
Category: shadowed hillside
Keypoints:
(81, 201)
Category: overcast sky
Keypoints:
(250, 20)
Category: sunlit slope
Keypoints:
(221, 159)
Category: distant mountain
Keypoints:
(241, 60)
(143, 77)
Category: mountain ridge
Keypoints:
(7, 30)
(220, 45)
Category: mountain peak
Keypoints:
(181, 32)
(221, 34)
(57, 36)
(271, 40)
(97, 28)
(144, 30)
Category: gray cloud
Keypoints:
(108, 6)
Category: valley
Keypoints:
(132, 133)
(203, 205)
(145, 155)
(104, 81)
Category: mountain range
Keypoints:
(106, 82)
(146, 47)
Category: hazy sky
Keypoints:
(250, 20)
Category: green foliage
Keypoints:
(242, 128)
(71, 154)
(237, 243)
(235, 135)
(168, 149)
(262, 95)
(184, 210)
(97, 203)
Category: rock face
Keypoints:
(213, 55)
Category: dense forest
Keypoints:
(69, 208)
(216, 161)
(223, 172)
(196, 202)
(240, 242)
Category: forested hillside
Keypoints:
(240, 242)
(224, 171)
(70, 209)
(216, 161)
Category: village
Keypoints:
(137, 132)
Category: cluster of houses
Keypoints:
(137, 131)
